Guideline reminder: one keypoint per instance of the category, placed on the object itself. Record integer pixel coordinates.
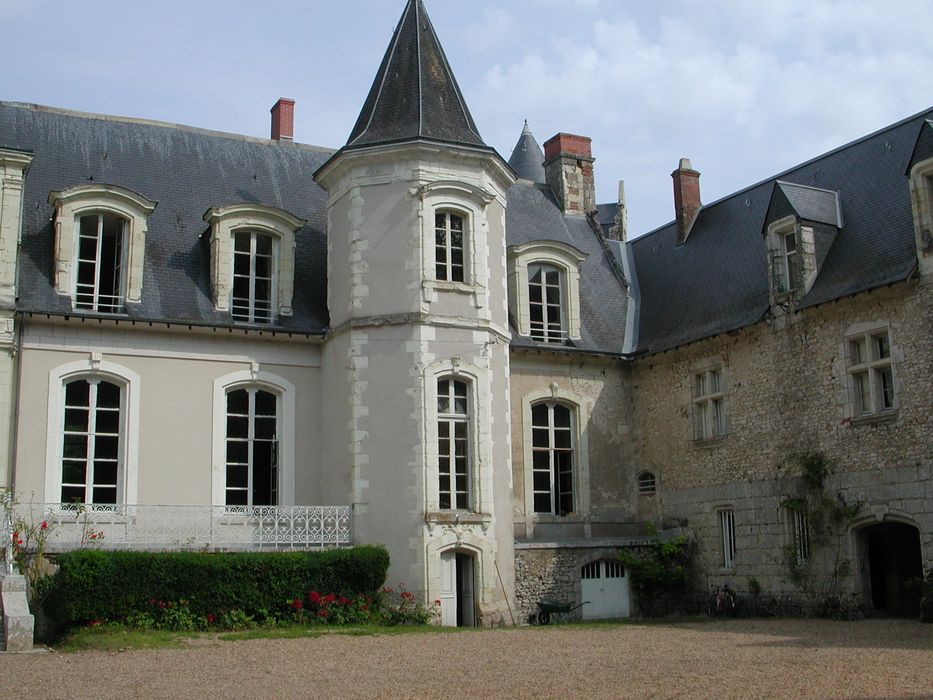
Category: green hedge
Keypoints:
(95, 585)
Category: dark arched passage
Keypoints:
(890, 560)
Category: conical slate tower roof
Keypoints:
(415, 95)
(527, 159)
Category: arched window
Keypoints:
(545, 303)
(92, 469)
(254, 288)
(449, 246)
(647, 484)
(552, 444)
(453, 444)
(252, 477)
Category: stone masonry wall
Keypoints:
(786, 392)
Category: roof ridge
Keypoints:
(798, 166)
(157, 123)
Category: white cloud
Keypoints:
(744, 88)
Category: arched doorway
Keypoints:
(605, 585)
(458, 583)
(889, 559)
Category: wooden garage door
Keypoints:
(605, 585)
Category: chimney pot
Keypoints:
(568, 167)
(686, 198)
(283, 119)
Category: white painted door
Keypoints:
(449, 589)
(605, 585)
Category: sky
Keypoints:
(744, 88)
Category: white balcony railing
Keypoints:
(171, 527)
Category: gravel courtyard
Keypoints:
(733, 658)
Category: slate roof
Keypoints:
(186, 171)
(533, 215)
(415, 95)
(811, 203)
(527, 159)
(718, 280)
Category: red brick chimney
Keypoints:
(686, 198)
(568, 168)
(283, 119)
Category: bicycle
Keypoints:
(721, 601)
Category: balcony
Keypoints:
(175, 527)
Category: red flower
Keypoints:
(322, 613)
(211, 618)
(342, 601)
(364, 606)
(315, 597)
(407, 595)
(330, 598)
(297, 604)
(437, 602)
(45, 525)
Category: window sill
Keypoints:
(456, 287)
(557, 519)
(710, 442)
(871, 418)
(453, 517)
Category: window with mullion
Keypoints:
(254, 263)
(545, 301)
(91, 442)
(99, 284)
(552, 459)
(449, 247)
(453, 445)
(709, 410)
(252, 448)
(871, 373)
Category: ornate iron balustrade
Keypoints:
(169, 527)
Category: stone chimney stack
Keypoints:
(619, 229)
(283, 120)
(686, 198)
(568, 167)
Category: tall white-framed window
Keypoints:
(100, 240)
(450, 232)
(709, 407)
(93, 434)
(453, 445)
(253, 440)
(253, 292)
(546, 303)
(788, 261)
(871, 373)
(93, 430)
(727, 535)
(252, 446)
(552, 447)
(100, 282)
(544, 290)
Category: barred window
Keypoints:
(647, 484)
(727, 532)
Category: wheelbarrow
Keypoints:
(546, 608)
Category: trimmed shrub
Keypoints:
(96, 585)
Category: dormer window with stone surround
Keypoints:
(544, 291)
(253, 261)
(920, 172)
(100, 240)
(801, 225)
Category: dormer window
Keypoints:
(100, 241)
(545, 304)
(787, 262)
(101, 281)
(544, 291)
(254, 263)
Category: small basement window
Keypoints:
(647, 484)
